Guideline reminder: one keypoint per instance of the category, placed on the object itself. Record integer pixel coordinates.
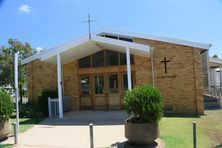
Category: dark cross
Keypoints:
(165, 61)
(89, 24)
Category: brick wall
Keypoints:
(182, 85)
(41, 76)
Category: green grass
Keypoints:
(6, 146)
(177, 131)
(26, 123)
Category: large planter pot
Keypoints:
(141, 133)
(5, 128)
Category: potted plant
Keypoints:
(6, 109)
(144, 106)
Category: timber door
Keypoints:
(100, 92)
(114, 100)
(86, 92)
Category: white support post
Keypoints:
(59, 76)
(49, 107)
(220, 75)
(129, 80)
(16, 91)
(153, 76)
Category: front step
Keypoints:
(211, 102)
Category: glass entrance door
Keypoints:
(100, 93)
(114, 100)
(85, 92)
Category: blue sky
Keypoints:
(47, 23)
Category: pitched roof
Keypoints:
(153, 37)
(96, 38)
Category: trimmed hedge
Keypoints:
(6, 106)
(144, 104)
(43, 100)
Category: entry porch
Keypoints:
(94, 72)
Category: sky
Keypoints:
(48, 23)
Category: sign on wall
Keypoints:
(167, 74)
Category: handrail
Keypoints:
(53, 106)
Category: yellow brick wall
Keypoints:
(182, 86)
(71, 84)
(41, 76)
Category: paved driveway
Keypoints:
(73, 130)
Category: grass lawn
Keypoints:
(26, 123)
(177, 131)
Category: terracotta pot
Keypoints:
(5, 128)
(141, 133)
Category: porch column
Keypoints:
(129, 80)
(59, 76)
(220, 75)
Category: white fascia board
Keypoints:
(215, 60)
(121, 43)
(31, 58)
(157, 38)
(59, 49)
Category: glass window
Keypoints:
(85, 62)
(125, 81)
(125, 39)
(113, 83)
(98, 59)
(112, 58)
(111, 36)
(85, 85)
(99, 84)
(123, 59)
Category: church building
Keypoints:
(95, 71)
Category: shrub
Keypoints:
(6, 106)
(26, 110)
(42, 104)
(144, 104)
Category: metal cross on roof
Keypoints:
(89, 24)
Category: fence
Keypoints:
(53, 106)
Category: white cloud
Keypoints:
(39, 49)
(25, 8)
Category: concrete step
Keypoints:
(212, 105)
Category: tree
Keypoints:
(7, 64)
(215, 56)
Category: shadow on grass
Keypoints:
(31, 121)
(219, 146)
(182, 116)
(6, 145)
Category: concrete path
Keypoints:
(73, 131)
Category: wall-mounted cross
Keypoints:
(165, 61)
(89, 24)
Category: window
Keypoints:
(85, 62)
(98, 59)
(112, 58)
(125, 39)
(85, 85)
(113, 83)
(111, 36)
(99, 84)
(123, 59)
